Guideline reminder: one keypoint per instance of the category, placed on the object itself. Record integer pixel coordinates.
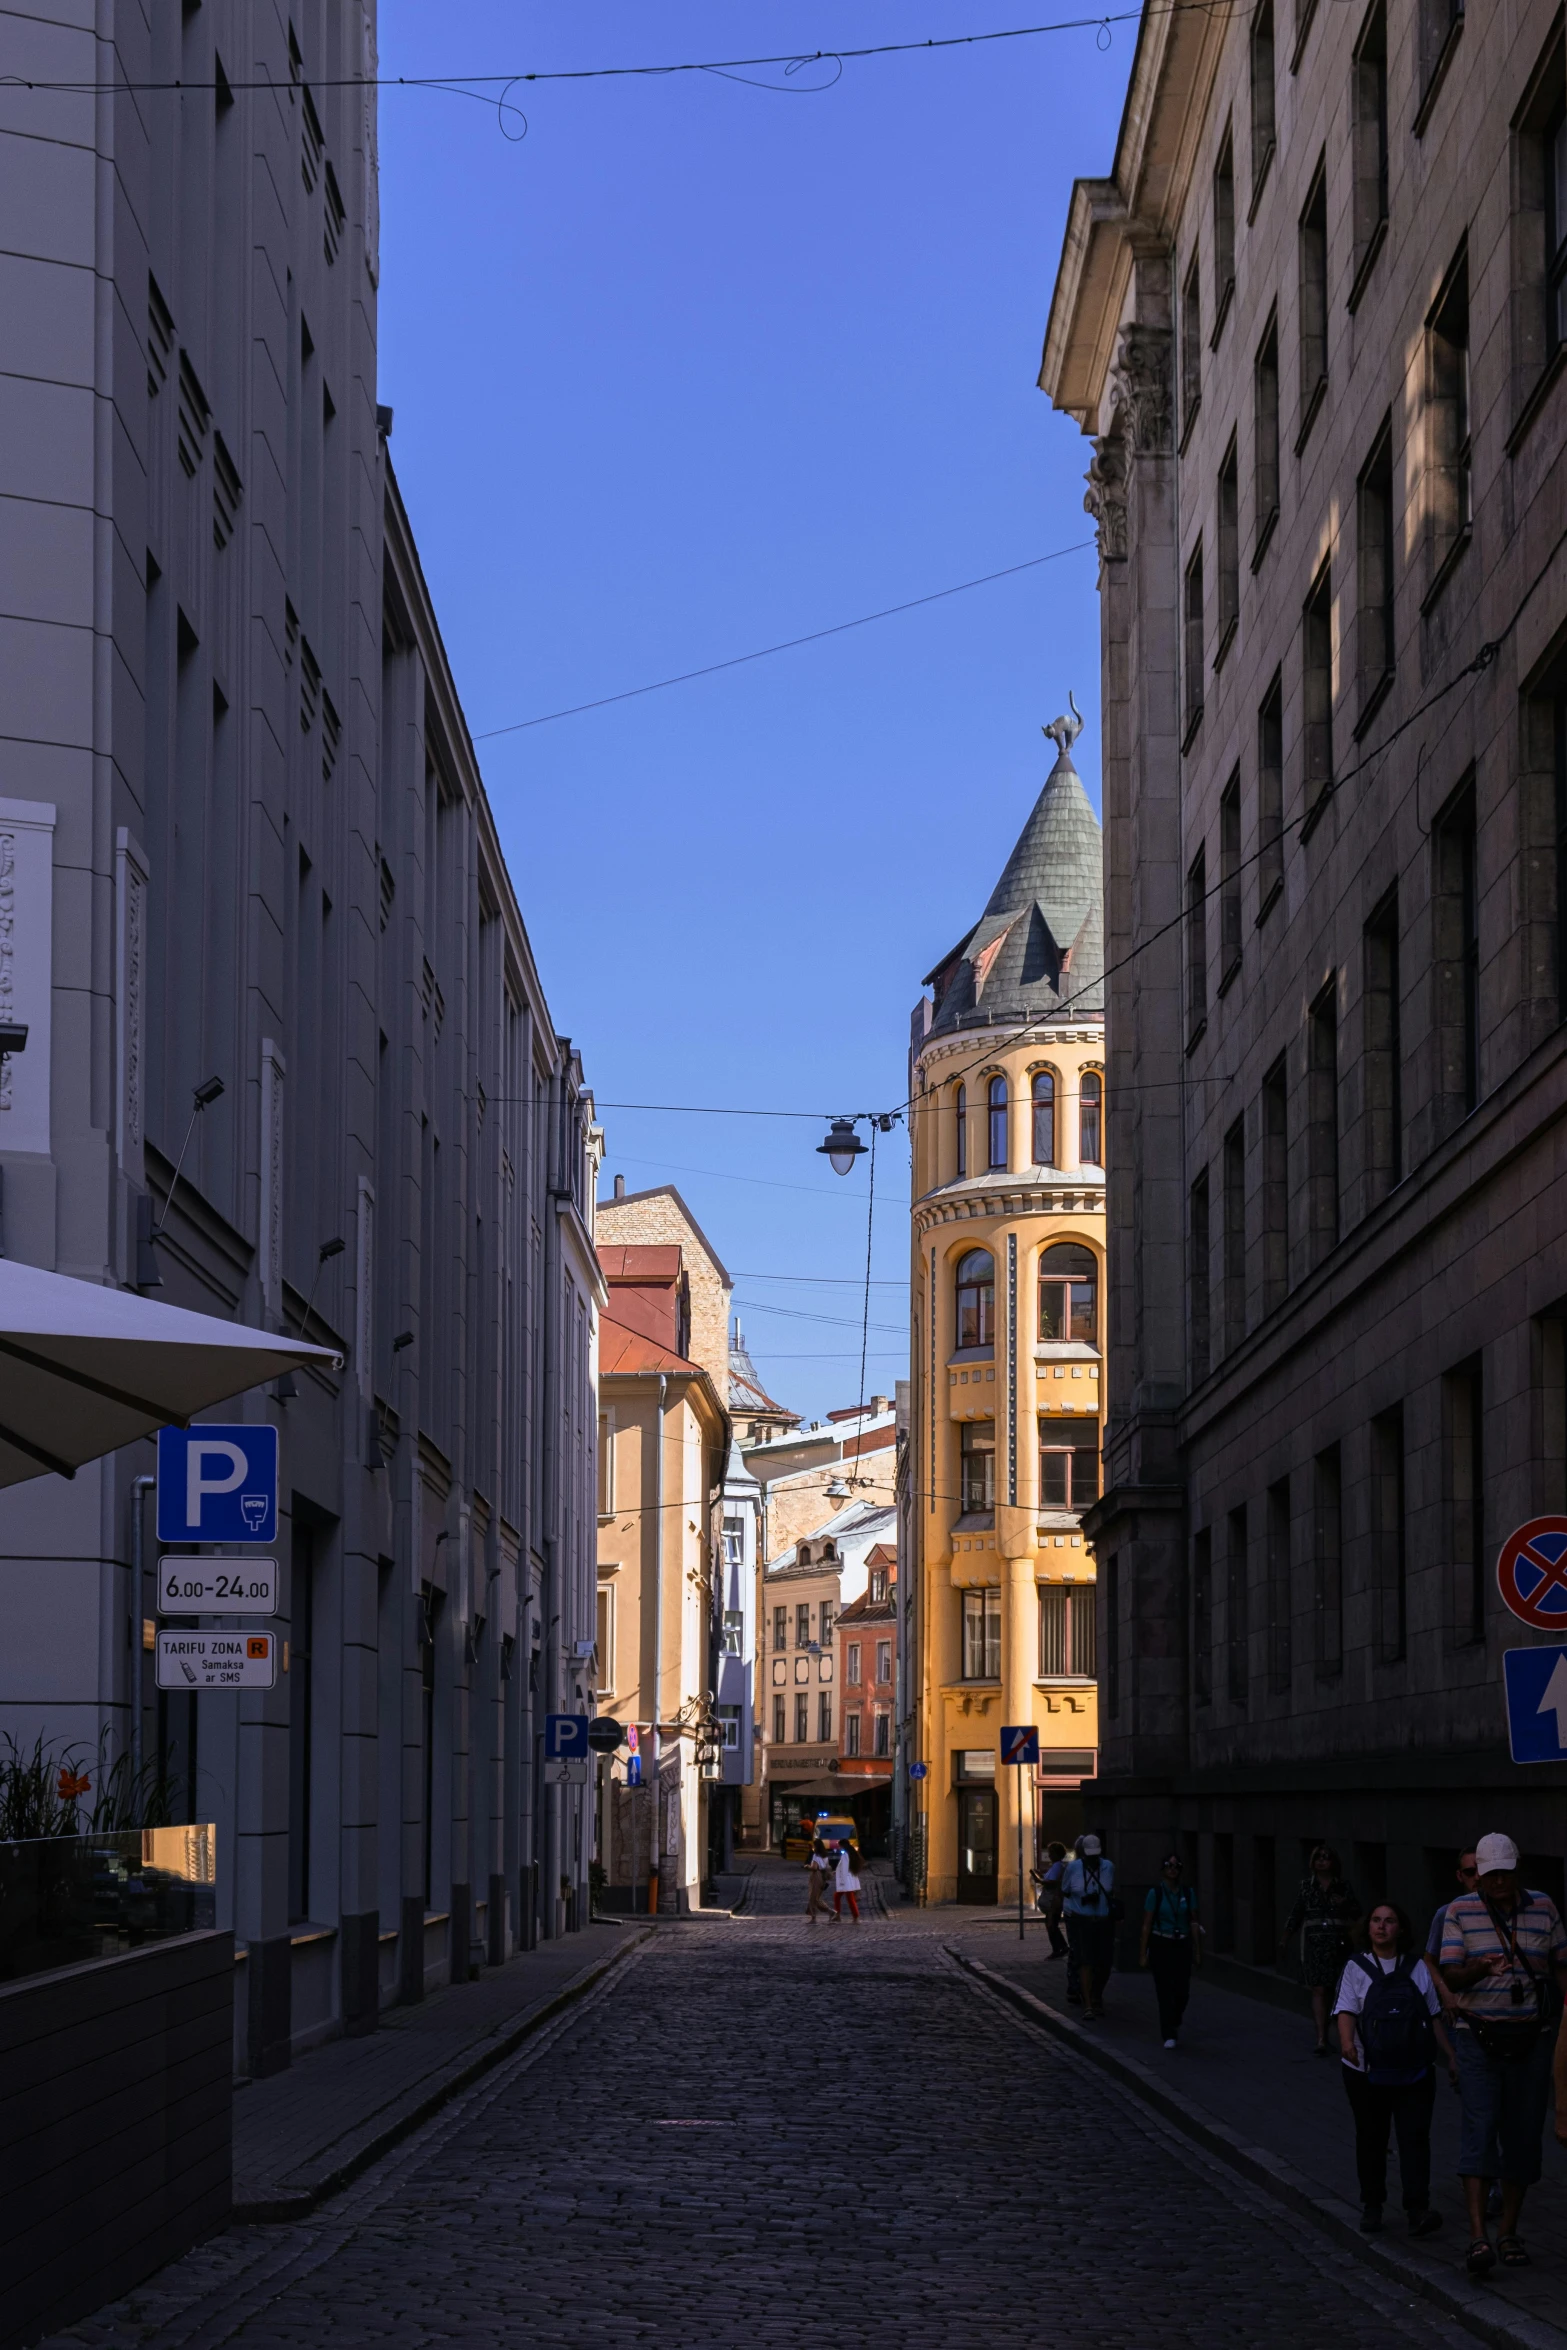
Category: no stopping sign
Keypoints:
(1531, 1573)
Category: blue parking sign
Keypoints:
(565, 1737)
(217, 1484)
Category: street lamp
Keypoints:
(842, 1147)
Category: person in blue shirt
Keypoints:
(1088, 1900)
(1171, 1945)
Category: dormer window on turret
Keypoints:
(961, 1114)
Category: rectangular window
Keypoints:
(604, 1646)
(883, 1726)
(851, 1732)
(1191, 347)
(1313, 249)
(734, 1542)
(1270, 796)
(1192, 608)
(1113, 1638)
(802, 1624)
(606, 1464)
(1368, 100)
(1387, 1533)
(1235, 1235)
(1316, 652)
(1223, 231)
(1539, 221)
(780, 1627)
(1263, 132)
(1275, 1185)
(1196, 946)
(802, 1719)
(1374, 573)
(829, 1616)
(1202, 1617)
(883, 1663)
(1237, 1630)
(1328, 1561)
(1230, 880)
(728, 1727)
(1463, 1413)
(778, 1720)
(1279, 1589)
(1322, 1121)
(1068, 1463)
(1456, 959)
(1066, 1631)
(1198, 1276)
(1229, 549)
(734, 1631)
(982, 1635)
(824, 1717)
(1383, 1054)
(978, 1465)
(1447, 428)
(852, 1667)
(1265, 437)
(1439, 24)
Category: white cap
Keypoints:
(1092, 1848)
(1496, 1853)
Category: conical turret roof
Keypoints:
(1038, 948)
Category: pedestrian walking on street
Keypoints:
(1050, 1897)
(1171, 1945)
(1327, 1915)
(1093, 1912)
(1468, 1875)
(1389, 2015)
(846, 1883)
(818, 1869)
(1505, 1955)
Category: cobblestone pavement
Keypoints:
(758, 2132)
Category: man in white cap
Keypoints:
(1091, 1910)
(1501, 1947)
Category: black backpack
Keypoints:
(1395, 2024)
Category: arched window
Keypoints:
(1068, 1293)
(976, 1298)
(998, 1122)
(1090, 1119)
(1044, 1092)
(962, 1118)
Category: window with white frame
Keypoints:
(851, 1732)
(734, 1631)
(852, 1668)
(606, 1464)
(883, 1733)
(604, 1652)
(734, 1542)
(883, 1662)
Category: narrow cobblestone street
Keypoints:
(761, 2131)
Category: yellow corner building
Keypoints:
(1007, 1341)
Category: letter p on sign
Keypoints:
(217, 1485)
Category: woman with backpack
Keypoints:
(1389, 2016)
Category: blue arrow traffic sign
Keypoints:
(217, 1484)
(1020, 1744)
(1536, 1685)
(565, 1737)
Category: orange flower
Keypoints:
(72, 1784)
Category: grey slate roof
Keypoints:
(1038, 948)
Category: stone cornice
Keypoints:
(962, 1042)
(1017, 1199)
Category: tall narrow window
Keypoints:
(1191, 347)
(1316, 653)
(1235, 1235)
(1113, 1637)
(998, 1122)
(960, 1115)
(976, 1298)
(1538, 272)
(1265, 437)
(978, 1465)
(1275, 1184)
(1238, 1632)
(1198, 1276)
(1223, 231)
(1270, 796)
(1555, 144)
(802, 1718)
(1042, 1095)
(1463, 1412)
(1066, 1631)
(982, 1635)
(1229, 548)
(779, 1729)
(1196, 946)
(1374, 573)
(1230, 880)
(1068, 1294)
(1279, 1588)
(1328, 1562)
(1192, 608)
(1313, 249)
(1263, 131)
(1447, 427)
(1068, 1463)
(1383, 1054)
(1368, 100)
(1456, 959)
(1387, 1533)
(1322, 1120)
(1439, 24)
(1090, 1119)
(1202, 1617)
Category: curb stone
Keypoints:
(1472, 2306)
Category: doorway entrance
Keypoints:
(977, 1844)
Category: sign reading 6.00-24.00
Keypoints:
(217, 1587)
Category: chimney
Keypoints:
(879, 1403)
(620, 1187)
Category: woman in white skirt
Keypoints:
(846, 1881)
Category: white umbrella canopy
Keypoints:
(85, 1369)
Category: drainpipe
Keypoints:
(658, 1636)
(140, 1486)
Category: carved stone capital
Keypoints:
(1105, 496)
(1140, 389)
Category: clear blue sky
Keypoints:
(692, 368)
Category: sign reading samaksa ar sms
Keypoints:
(217, 1484)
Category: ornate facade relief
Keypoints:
(1140, 389)
(1105, 496)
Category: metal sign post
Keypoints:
(1020, 1748)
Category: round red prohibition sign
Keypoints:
(1531, 1573)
